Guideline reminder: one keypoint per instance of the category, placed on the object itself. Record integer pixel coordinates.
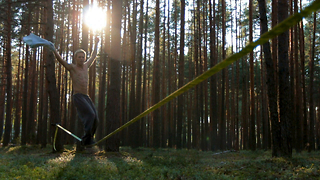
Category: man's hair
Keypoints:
(80, 51)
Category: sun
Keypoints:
(95, 18)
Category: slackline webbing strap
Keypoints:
(65, 130)
(274, 32)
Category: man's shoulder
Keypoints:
(73, 66)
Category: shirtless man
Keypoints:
(79, 75)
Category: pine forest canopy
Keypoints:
(148, 50)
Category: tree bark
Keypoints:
(298, 99)
(222, 123)
(2, 95)
(134, 129)
(51, 79)
(18, 101)
(156, 80)
(252, 124)
(213, 79)
(311, 88)
(181, 77)
(272, 91)
(8, 123)
(113, 98)
(284, 86)
(139, 76)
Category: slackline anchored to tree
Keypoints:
(274, 32)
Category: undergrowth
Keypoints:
(32, 162)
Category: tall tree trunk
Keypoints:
(311, 88)
(252, 137)
(304, 119)
(156, 80)
(170, 81)
(144, 89)
(113, 98)
(298, 99)
(174, 70)
(292, 43)
(258, 108)
(42, 122)
(236, 146)
(181, 77)
(43, 133)
(31, 125)
(213, 81)
(190, 104)
(125, 76)
(284, 86)
(264, 107)
(25, 88)
(272, 91)
(205, 83)
(134, 129)
(163, 80)
(92, 74)
(244, 124)
(196, 109)
(200, 70)
(2, 92)
(66, 78)
(18, 100)
(139, 77)
(222, 128)
(50, 76)
(103, 81)
(8, 124)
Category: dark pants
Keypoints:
(87, 113)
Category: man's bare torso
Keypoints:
(79, 76)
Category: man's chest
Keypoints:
(79, 73)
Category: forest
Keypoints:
(267, 99)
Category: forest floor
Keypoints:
(33, 162)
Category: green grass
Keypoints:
(32, 162)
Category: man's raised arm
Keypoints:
(61, 61)
(94, 53)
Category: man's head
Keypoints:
(80, 56)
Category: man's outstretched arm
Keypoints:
(94, 53)
(61, 61)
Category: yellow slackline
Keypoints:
(55, 138)
(277, 30)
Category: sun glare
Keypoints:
(95, 18)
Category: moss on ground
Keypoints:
(32, 162)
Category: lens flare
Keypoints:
(95, 18)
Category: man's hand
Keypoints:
(51, 46)
(97, 40)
